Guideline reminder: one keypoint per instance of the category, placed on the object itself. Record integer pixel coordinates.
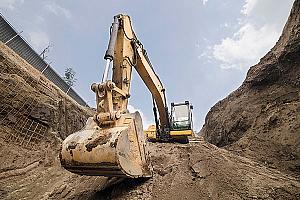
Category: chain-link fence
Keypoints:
(15, 109)
(10, 37)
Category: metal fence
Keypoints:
(12, 39)
(15, 109)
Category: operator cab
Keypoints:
(181, 117)
(180, 121)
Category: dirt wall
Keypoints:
(261, 119)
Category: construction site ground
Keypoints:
(180, 171)
(250, 148)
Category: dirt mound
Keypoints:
(35, 116)
(261, 119)
(26, 92)
(203, 171)
(29, 174)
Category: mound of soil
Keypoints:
(261, 119)
(203, 171)
(35, 116)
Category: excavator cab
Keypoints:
(181, 116)
(181, 124)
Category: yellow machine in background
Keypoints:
(151, 133)
(181, 123)
(113, 142)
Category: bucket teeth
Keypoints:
(118, 151)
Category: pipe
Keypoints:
(106, 70)
(109, 54)
(155, 117)
(13, 38)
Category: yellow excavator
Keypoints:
(113, 142)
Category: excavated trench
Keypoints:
(30, 168)
(35, 116)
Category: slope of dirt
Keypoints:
(203, 171)
(26, 90)
(37, 174)
(29, 165)
(261, 119)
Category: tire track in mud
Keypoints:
(19, 171)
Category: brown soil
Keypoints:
(29, 165)
(261, 119)
(203, 171)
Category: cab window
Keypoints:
(180, 117)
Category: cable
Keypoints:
(134, 36)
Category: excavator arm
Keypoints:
(151, 80)
(113, 142)
(127, 52)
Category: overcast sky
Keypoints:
(201, 49)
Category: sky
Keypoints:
(201, 49)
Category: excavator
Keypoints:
(113, 142)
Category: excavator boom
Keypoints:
(113, 142)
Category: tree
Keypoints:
(69, 77)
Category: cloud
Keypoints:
(204, 2)
(58, 10)
(225, 25)
(258, 30)
(39, 19)
(246, 46)
(38, 39)
(248, 7)
(146, 122)
(10, 4)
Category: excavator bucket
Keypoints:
(118, 150)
